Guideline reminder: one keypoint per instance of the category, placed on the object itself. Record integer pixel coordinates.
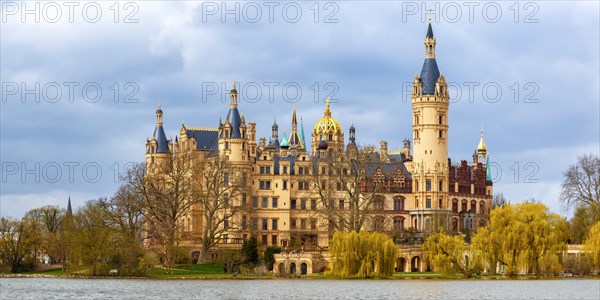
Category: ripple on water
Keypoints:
(61, 288)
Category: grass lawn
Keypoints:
(53, 272)
(189, 270)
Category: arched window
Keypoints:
(398, 223)
(378, 223)
(482, 207)
(455, 205)
(464, 205)
(378, 203)
(398, 203)
(473, 206)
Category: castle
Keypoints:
(290, 183)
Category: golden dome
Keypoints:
(327, 124)
(481, 147)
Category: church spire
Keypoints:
(294, 138)
(69, 209)
(301, 133)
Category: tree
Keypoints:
(364, 254)
(269, 256)
(250, 251)
(169, 191)
(581, 185)
(50, 219)
(592, 244)
(222, 184)
(92, 239)
(345, 176)
(498, 200)
(17, 239)
(584, 217)
(449, 254)
(524, 237)
(124, 212)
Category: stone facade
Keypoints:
(413, 190)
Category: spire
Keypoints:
(429, 31)
(488, 172)
(159, 133)
(294, 120)
(327, 109)
(69, 209)
(430, 72)
(352, 133)
(481, 148)
(294, 138)
(302, 140)
(233, 116)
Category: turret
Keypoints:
(233, 139)
(383, 151)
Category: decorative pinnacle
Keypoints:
(158, 103)
(327, 108)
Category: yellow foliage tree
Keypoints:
(524, 237)
(449, 254)
(365, 254)
(592, 244)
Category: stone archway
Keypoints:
(401, 264)
(293, 268)
(303, 269)
(281, 269)
(415, 264)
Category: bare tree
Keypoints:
(169, 191)
(498, 200)
(125, 210)
(222, 184)
(345, 176)
(581, 185)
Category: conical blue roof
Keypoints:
(161, 140)
(236, 121)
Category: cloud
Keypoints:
(368, 56)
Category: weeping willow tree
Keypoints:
(592, 244)
(449, 254)
(524, 238)
(364, 254)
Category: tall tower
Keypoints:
(430, 102)
(158, 148)
(233, 135)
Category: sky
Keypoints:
(81, 82)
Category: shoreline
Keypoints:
(309, 277)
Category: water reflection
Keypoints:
(58, 288)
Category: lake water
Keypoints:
(60, 288)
